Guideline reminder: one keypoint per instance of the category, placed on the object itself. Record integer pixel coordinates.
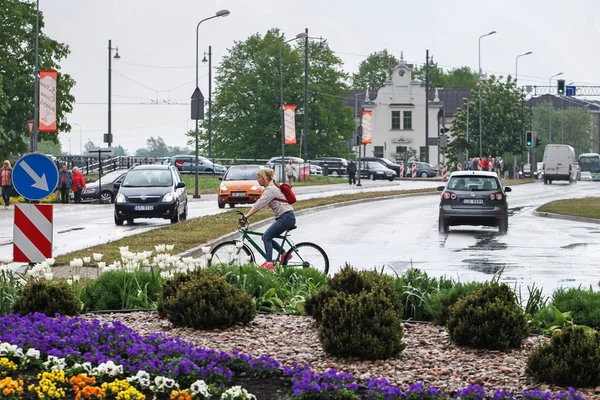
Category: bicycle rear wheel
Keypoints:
(307, 255)
(228, 253)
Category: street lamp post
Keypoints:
(209, 104)
(306, 38)
(109, 138)
(479, 95)
(517, 62)
(551, 106)
(301, 35)
(221, 13)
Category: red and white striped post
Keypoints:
(32, 232)
(444, 172)
(401, 169)
(414, 171)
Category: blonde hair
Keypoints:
(266, 173)
(7, 162)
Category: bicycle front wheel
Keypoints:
(307, 255)
(228, 253)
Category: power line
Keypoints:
(155, 66)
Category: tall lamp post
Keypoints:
(209, 104)
(551, 106)
(306, 38)
(221, 13)
(301, 35)
(479, 95)
(517, 63)
(109, 138)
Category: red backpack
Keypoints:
(286, 189)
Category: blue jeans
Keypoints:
(6, 191)
(281, 224)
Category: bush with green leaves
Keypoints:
(572, 359)
(49, 298)
(549, 319)
(364, 325)
(441, 301)
(416, 289)
(203, 299)
(583, 304)
(122, 290)
(489, 319)
(350, 281)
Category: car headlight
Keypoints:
(223, 186)
(168, 198)
(255, 187)
(379, 172)
(120, 198)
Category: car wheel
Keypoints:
(443, 225)
(175, 218)
(221, 205)
(545, 181)
(106, 197)
(231, 205)
(424, 175)
(372, 177)
(334, 173)
(390, 179)
(130, 221)
(118, 221)
(503, 225)
(185, 213)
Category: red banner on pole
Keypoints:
(47, 101)
(289, 117)
(367, 120)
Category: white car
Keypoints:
(316, 170)
(586, 176)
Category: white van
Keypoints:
(559, 163)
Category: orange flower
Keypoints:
(180, 395)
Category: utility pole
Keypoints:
(306, 95)
(427, 107)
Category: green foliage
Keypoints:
(550, 319)
(535, 301)
(502, 120)
(457, 78)
(490, 319)
(47, 297)
(365, 325)
(204, 300)
(374, 71)
(11, 284)
(350, 281)
(416, 289)
(441, 301)
(572, 359)
(122, 290)
(583, 304)
(17, 59)
(247, 107)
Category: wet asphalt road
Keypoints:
(400, 233)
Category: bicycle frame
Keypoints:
(246, 236)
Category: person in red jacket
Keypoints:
(78, 184)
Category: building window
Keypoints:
(422, 154)
(395, 119)
(407, 123)
(378, 151)
(401, 153)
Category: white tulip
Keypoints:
(48, 276)
(87, 259)
(170, 247)
(49, 261)
(76, 278)
(101, 264)
(208, 257)
(69, 281)
(205, 249)
(124, 249)
(239, 244)
(160, 248)
(97, 256)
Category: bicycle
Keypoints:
(238, 252)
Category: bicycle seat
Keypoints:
(291, 229)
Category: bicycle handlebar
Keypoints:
(243, 222)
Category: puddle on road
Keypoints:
(513, 210)
(71, 230)
(485, 241)
(485, 266)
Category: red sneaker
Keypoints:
(268, 265)
(283, 260)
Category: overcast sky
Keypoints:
(156, 41)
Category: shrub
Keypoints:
(416, 288)
(120, 290)
(364, 325)
(583, 304)
(49, 298)
(350, 281)
(440, 302)
(490, 319)
(572, 359)
(205, 300)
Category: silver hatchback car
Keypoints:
(473, 198)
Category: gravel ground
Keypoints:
(429, 355)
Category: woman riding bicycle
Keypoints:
(285, 218)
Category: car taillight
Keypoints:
(449, 195)
(496, 196)
(179, 164)
(543, 167)
(570, 167)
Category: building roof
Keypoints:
(451, 99)
(357, 98)
(563, 102)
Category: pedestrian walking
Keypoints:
(6, 182)
(351, 172)
(65, 181)
(290, 171)
(78, 184)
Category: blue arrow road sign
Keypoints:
(35, 176)
(571, 90)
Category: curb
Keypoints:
(196, 251)
(567, 217)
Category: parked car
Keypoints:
(186, 164)
(375, 170)
(424, 170)
(386, 163)
(107, 192)
(151, 191)
(277, 160)
(526, 171)
(315, 170)
(473, 198)
(586, 176)
(336, 166)
(239, 186)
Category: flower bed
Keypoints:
(125, 364)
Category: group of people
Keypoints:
(492, 164)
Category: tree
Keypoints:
(374, 71)
(458, 78)
(503, 120)
(17, 61)
(247, 105)
(88, 146)
(120, 151)
(50, 147)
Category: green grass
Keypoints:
(588, 207)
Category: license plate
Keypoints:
(143, 208)
(472, 201)
(238, 194)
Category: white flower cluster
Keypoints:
(142, 378)
(200, 388)
(54, 364)
(163, 385)
(237, 393)
(41, 270)
(12, 351)
(108, 368)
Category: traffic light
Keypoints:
(528, 138)
(538, 142)
(561, 86)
